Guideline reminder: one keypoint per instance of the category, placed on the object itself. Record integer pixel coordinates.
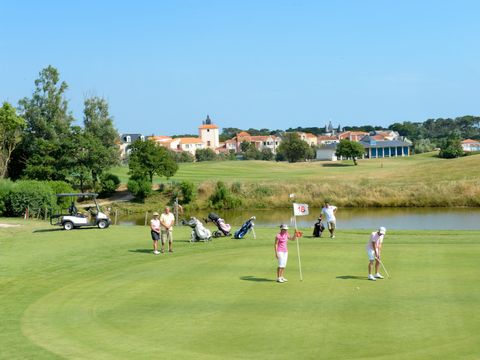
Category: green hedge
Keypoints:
(34, 195)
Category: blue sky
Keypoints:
(164, 65)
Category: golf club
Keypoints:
(383, 266)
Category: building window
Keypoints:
(208, 143)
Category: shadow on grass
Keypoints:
(254, 278)
(142, 251)
(337, 165)
(352, 277)
(61, 229)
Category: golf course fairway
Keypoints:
(102, 294)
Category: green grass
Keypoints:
(417, 181)
(423, 167)
(101, 294)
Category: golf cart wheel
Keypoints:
(102, 224)
(67, 225)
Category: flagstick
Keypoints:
(298, 250)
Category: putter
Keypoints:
(383, 266)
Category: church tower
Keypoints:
(209, 134)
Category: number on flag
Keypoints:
(300, 209)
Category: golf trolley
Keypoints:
(93, 216)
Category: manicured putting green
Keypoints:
(101, 294)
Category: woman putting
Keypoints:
(281, 251)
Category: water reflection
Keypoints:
(392, 218)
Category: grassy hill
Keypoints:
(101, 294)
(421, 180)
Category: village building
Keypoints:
(125, 141)
(352, 135)
(470, 145)
(190, 144)
(385, 148)
(310, 139)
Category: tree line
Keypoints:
(40, 141)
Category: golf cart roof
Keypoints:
(79, 194)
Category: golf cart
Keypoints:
(93, 216)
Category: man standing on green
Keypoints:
(329, 212)
(167, 219)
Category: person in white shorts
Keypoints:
(374, 247)
(281, 251)
(329, 212)
(167, 219)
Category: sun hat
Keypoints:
(156, 213)
(284, 227)
(382, 230)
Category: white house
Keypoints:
(469, 145)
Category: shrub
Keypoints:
(267, 154)
(183, 156)
(31, 194)
(223, 199)
(109, 184)
(140, 188)
(451, 148)
(205, 155)
(188, 191)
(61, 187)
(5, 188)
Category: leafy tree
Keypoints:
(11, 127)
(350, 149)
(148, 159)
(451, 148)
(423, 145)
(228, 133)
(293, 148)
(47, 129)
(101, 136)
(205, 155)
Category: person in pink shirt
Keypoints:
(374, 246)
(281, 251)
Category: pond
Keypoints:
(370, 218)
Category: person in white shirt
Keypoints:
(374, 247)
(167, 219)
(329, 212)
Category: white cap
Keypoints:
(284, 227)
(382, 230)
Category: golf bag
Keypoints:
(245, 228)
(318, 228)
(199, 232)
(222, 226)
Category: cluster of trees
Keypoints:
(39, 141)
(445, 134)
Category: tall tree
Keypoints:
(11, 126)
(293, 148)
(48, 122)
(350, 150)
(101, 135)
